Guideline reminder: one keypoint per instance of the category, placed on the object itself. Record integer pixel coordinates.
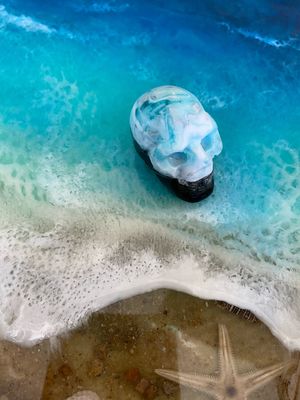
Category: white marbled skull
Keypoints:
(181, 138)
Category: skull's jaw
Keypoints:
(188, 191)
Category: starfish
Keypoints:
(229, 385)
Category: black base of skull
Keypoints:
(188, 191)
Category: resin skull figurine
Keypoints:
(179, 136)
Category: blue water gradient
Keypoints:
(70, 72)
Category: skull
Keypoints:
(180, 138)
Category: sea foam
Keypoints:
(268, 40)
(81, 268)
(76, 252)
(22, 21)
(104, 7)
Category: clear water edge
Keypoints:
(168, 329)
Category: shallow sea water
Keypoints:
(123, 345)
(84, 224)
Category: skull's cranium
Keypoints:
(181, 139)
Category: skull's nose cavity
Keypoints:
(177, 159)
(207, 143)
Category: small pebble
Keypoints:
(142, 386)
(95, 368)
(100, 351)
(151, 392)
(65, 370)
(169, 388)
(133, 375)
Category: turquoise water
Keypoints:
(69, 75)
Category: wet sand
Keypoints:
(115, 353)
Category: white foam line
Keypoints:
(235, 298)
(103, 8)
(270, 41)
(27, 325)
(23, 22)
(29, 24)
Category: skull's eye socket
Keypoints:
(176, 159)
(207, 142)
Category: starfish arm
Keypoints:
(255, 380)
(227, 364)
(206, 384)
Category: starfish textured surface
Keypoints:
(229, 384)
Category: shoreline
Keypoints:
(88, 267)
